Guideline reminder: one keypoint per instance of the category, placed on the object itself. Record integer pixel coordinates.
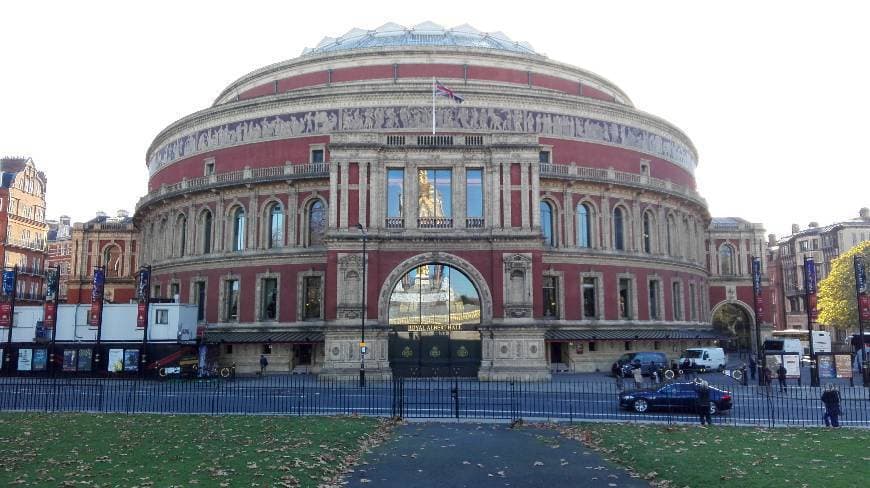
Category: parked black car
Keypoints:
(673, 396)
(646, 359)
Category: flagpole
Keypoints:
(433, 105)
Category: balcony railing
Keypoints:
(38, 245)
(474, 223)
(620, 177)
(434, 223)
(247, 175)
(394, 223)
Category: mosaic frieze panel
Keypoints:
(420, 118)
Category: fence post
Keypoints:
(455, 394)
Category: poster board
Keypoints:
(40, 360)
(116, 361)
(131, 360)
(85, 359)
(827, 368)
(25, 359)
(69, 359)
(843, 363)
(791, 361)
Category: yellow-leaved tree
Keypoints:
(838, 305)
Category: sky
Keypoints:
(773, 94)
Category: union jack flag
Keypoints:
(443, 91)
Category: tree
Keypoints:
(838, 305)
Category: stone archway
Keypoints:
(734, 320)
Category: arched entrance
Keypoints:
(434, 310)
(734, 321)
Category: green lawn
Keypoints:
(679, 456)
(163, 451)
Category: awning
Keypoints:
(217, 337)
(561, 335)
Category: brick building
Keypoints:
(823, 244)
(104, 241)
(546, 224)
(23, 229)
(60, 252)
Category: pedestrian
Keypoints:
(675, 369)
(703, 402)
(654, 372)
(752, 366)
(780, 374)
(616, 369)
(831, 400)
(263, 363)
(767, 375)
(637, 372)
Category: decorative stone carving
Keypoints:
(283, 126)
(349, 281)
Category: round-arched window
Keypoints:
(316, 223)
(276, 226)
(434, 297)
(547, 224)
(618, 229)
(238, 229)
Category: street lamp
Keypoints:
(362, 343)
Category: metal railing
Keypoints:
(247, 175)
(417, 398)
(622, 177)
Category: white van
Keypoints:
(704, 358)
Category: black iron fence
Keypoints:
(580, 400)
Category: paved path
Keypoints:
(455, 455)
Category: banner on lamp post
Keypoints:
(810, 287)
(143, 292)
(860, 275)
(6, 307)
(50, 306)
(864, 307)
(97, 291)
(756, 287)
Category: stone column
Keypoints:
(411, 198)
(220, 222)
(363, 193)
(506, 193)
(536, 194)
(459, 210)
(292, 218)
(333, 194)
(491, 200)
(345, 184)
(569, 219)
(605, 223)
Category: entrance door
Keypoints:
(434, 355)
(302, 354)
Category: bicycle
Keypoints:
(215, 371)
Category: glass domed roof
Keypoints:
(425, 34)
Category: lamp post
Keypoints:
(863, 302)
(760, 358)
(362, 343)
(810, 299)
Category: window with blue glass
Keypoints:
(435, 194)
(618, 229)
(547, 224)
(395, 191)
(584, 225)
(474, 197)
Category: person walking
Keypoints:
(703, 402)
(768, 376)
(616, 369)
(780, 374)
(654, 373)
(831, 400)
(637, 372)
(752, 366)
(263, 363)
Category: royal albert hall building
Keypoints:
(546, 225)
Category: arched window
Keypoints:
(618, 229)
(112, 260)
(206, 232)
(238, 229)
(547, 228)
(316, 222)
(276, 226)
(181, 239)
(726, 260)
(672, 235)
(584, 225)
(647, 232)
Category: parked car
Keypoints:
(703, 359)
(647, 359)
(673, 396)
